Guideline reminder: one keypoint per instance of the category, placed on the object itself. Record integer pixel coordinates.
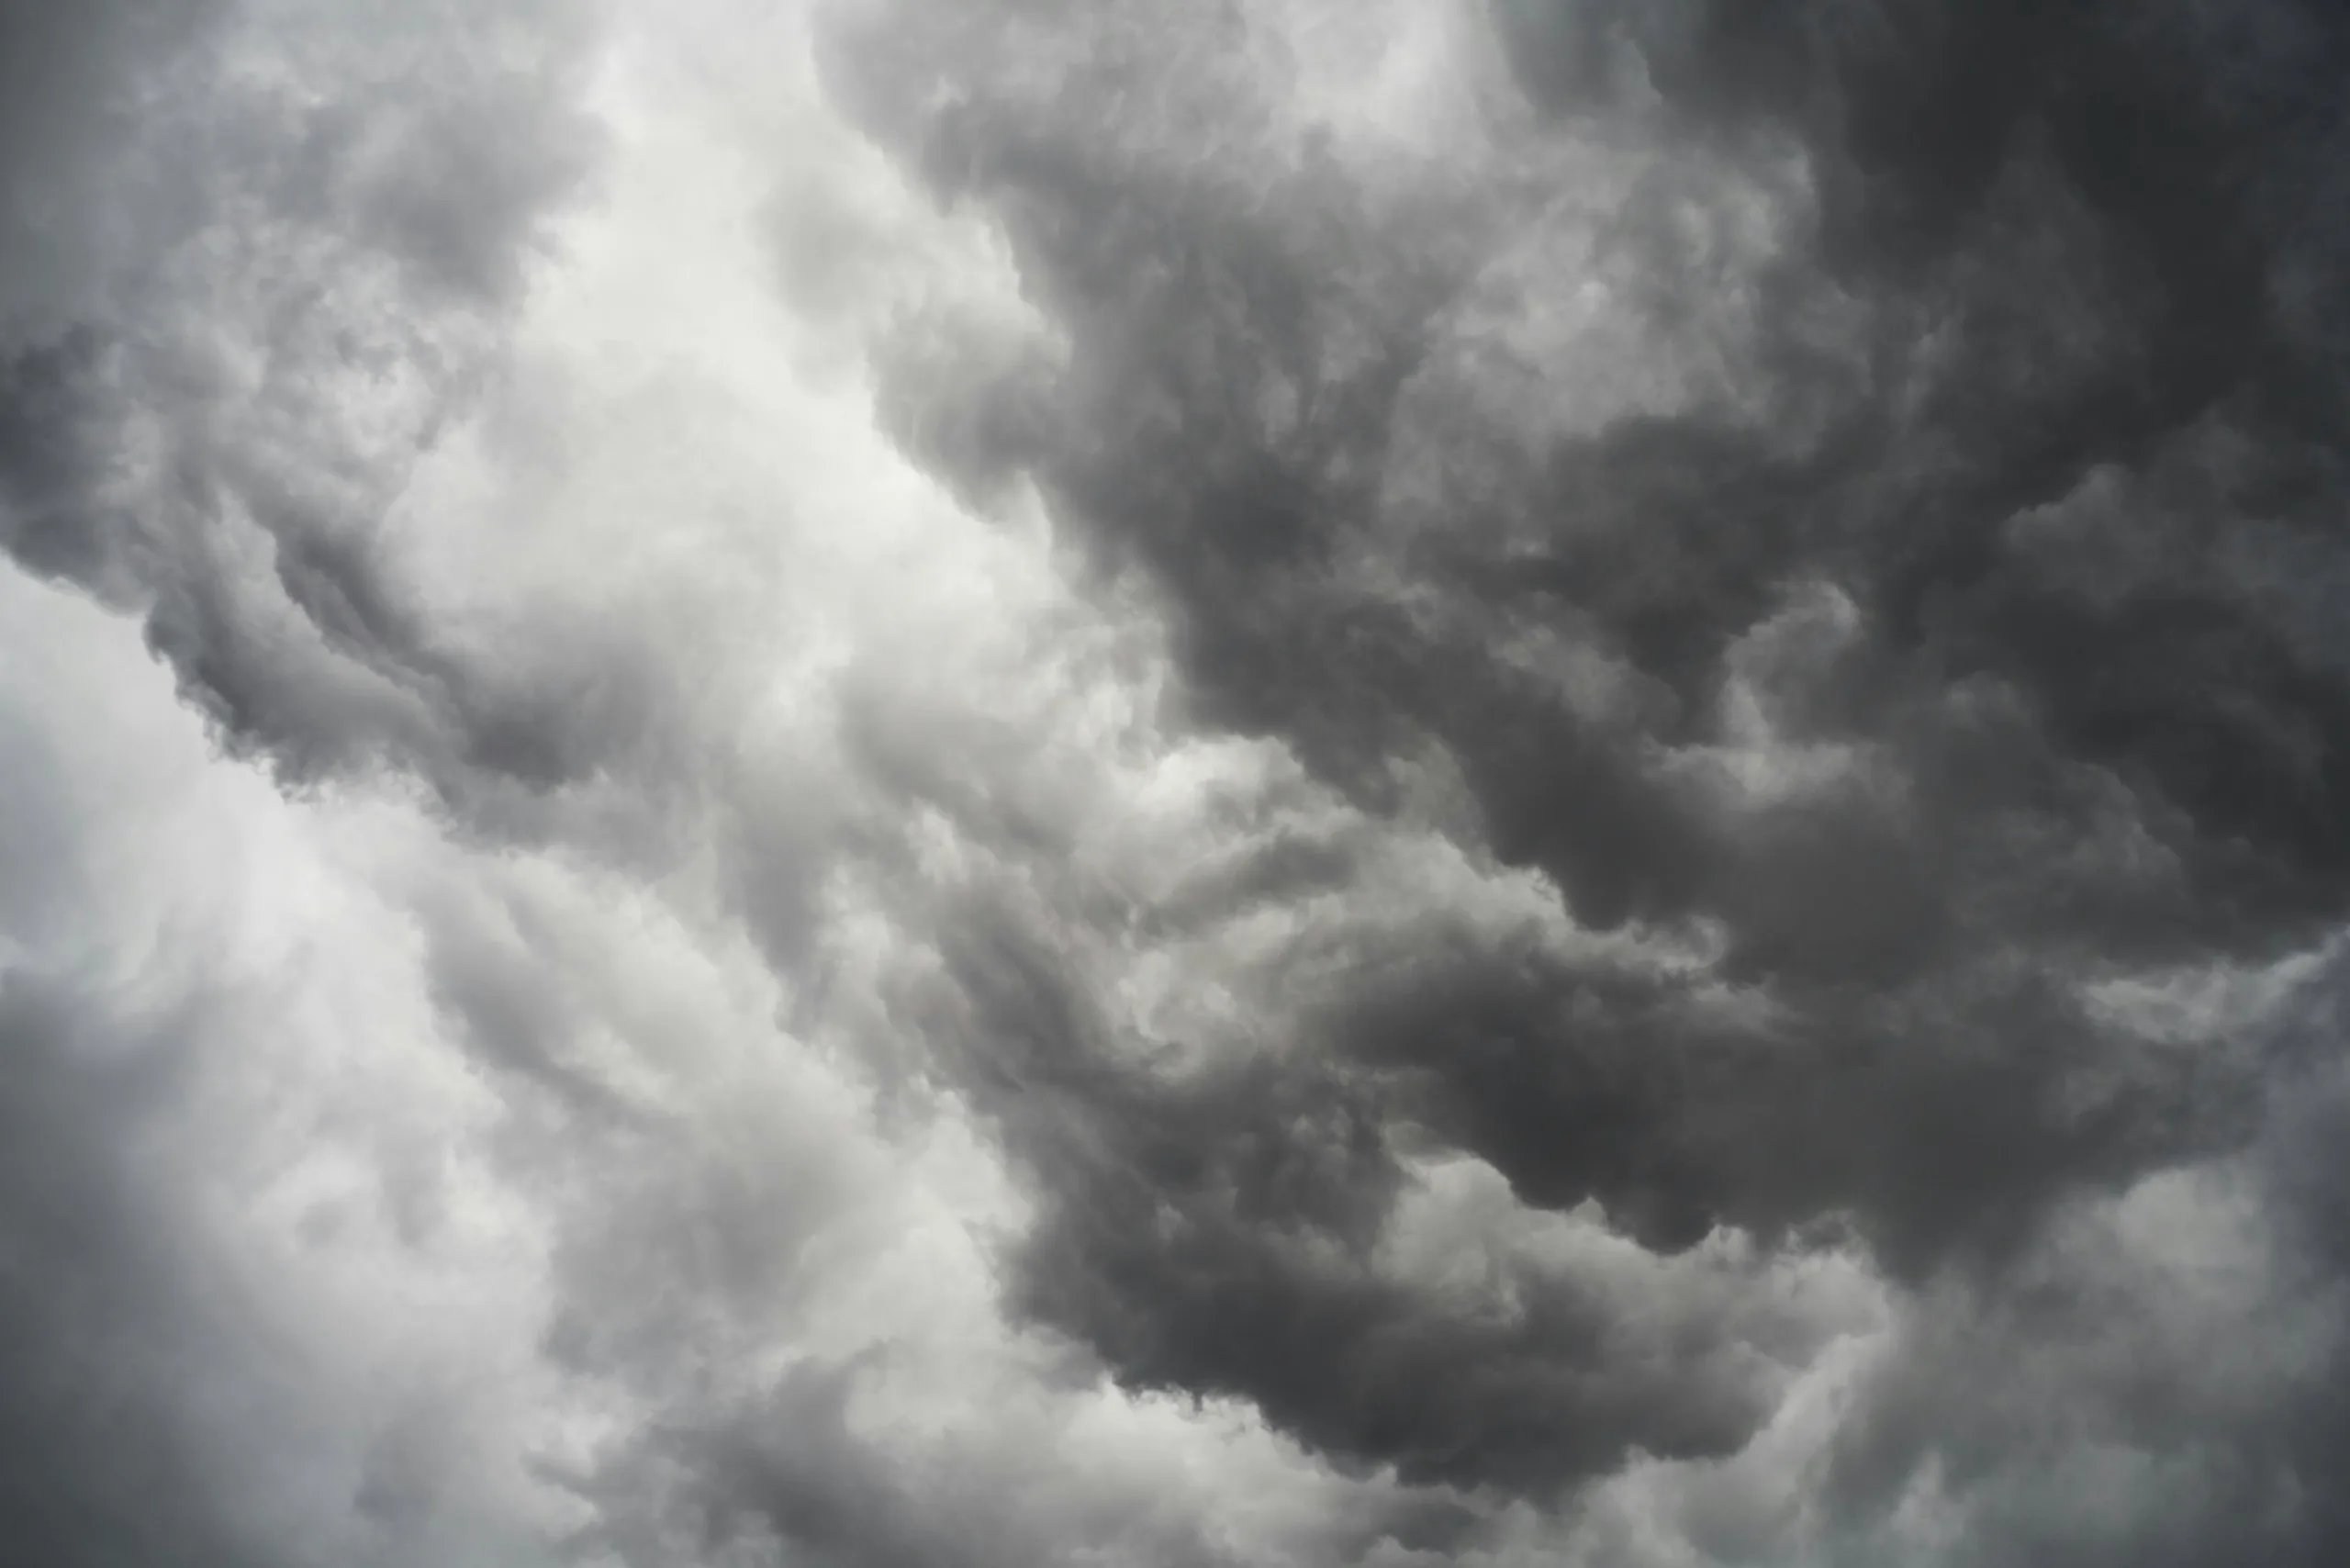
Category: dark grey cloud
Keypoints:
(301, 237)
(74, 79)
(1213, 1237)
(101, 1310)
(1916, 594)
(1667, 884)
(2172, 1396)
(230, 235)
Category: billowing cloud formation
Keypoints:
(1006, 782)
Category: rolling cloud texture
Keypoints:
(921, 782)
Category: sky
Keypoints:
(1255, 784)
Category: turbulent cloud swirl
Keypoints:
(892, 782)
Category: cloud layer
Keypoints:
(1002, 782)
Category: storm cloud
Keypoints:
(992, 781)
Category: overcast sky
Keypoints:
(1179, 783)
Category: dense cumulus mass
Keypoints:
(919, 783)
